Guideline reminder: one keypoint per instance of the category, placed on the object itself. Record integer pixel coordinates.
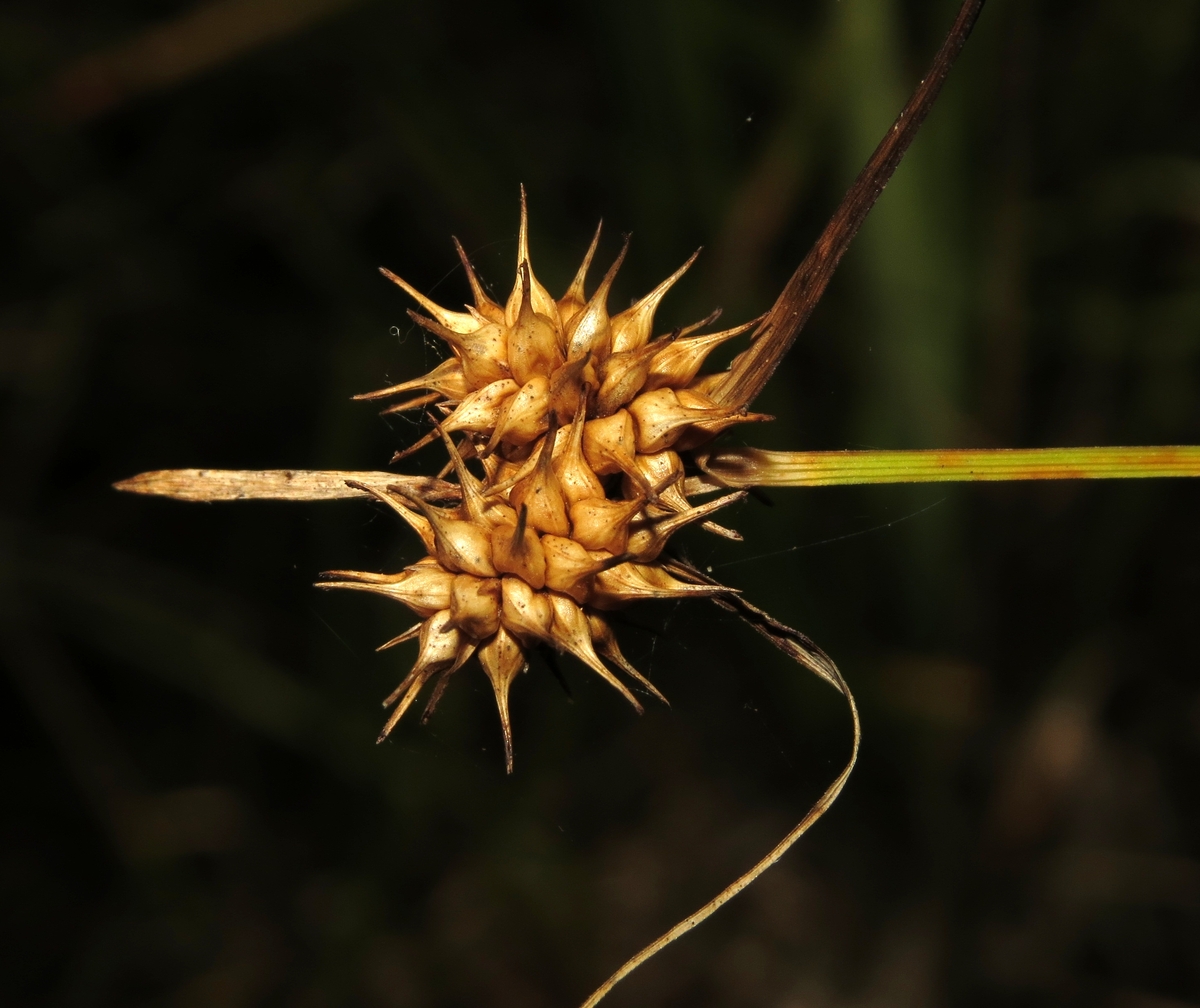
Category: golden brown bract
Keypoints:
(577, 420)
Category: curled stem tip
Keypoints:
(800, 649)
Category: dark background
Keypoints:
(195, 200)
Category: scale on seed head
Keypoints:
(582, 426)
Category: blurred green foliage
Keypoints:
(195, 205)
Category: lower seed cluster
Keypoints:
(577, 420)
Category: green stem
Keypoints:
(745, 467)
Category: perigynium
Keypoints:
(579, 441)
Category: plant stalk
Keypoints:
(749, 467)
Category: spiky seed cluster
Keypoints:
(577, 419)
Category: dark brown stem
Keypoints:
(751, 371)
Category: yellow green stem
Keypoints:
(746, 467)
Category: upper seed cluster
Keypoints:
(577, 419)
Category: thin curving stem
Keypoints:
(799, 648)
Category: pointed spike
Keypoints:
(606, 643)
(472, 494)
(542, 302)
(416, 446)
(663, 484)
(465, 650)
(632, 581)
(576, 443)
(456, 322)
(574, 300)
(569, 372)
(401, 687)
(420, 525)
(445, 378)
(356, 584)
(649, 541)
(503, 659)
(439, 687)
(523, 232)
(409, 634)
(483, 304)
(632, 328)
(425, 589)
(705, 430)
(671, 497)
(491, 464)
(677, 363)
(412, 404)
(524, 276)
(611, 275)
(708, 320)
(722, 531)
(440, 647)
(401, 710)
(432, 514)
(571, 634)
(591, 328)
(365, 577)
(673, 523)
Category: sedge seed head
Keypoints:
(578, 420)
